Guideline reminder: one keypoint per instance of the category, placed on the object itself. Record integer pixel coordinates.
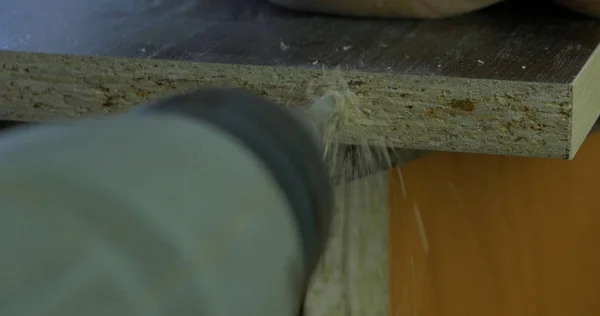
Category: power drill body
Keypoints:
(212, 203)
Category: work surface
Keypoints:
(484, 45)
(498, 81)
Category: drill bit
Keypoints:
(350, 159)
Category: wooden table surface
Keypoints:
(488, 235)
(460, 84)
(508, 42)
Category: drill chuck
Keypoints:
(287, 145)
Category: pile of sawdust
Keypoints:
(347, 162)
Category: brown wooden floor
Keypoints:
(500, 236)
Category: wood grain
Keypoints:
(502, 80)
(503, 235)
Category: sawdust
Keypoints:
(351, 162)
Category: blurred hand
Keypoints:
(589, 7)
(416, 8)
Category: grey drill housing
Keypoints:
(214, 202)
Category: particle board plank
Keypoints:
(504, 80)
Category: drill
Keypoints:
(213, 202)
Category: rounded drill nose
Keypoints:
(389, 8)
(588, 7)
(416, 8)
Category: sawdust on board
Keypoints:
(351, 162)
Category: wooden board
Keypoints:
(504, 236)
(504, 80)
(353, 276)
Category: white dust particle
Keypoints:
(479, 61)
(401, 182)
(346, 48)
(315, 62)
(439, 66)
(421, 228)
(406, 296)
(412, 269)
(460, 202)
(283, 47)
(523, 67)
